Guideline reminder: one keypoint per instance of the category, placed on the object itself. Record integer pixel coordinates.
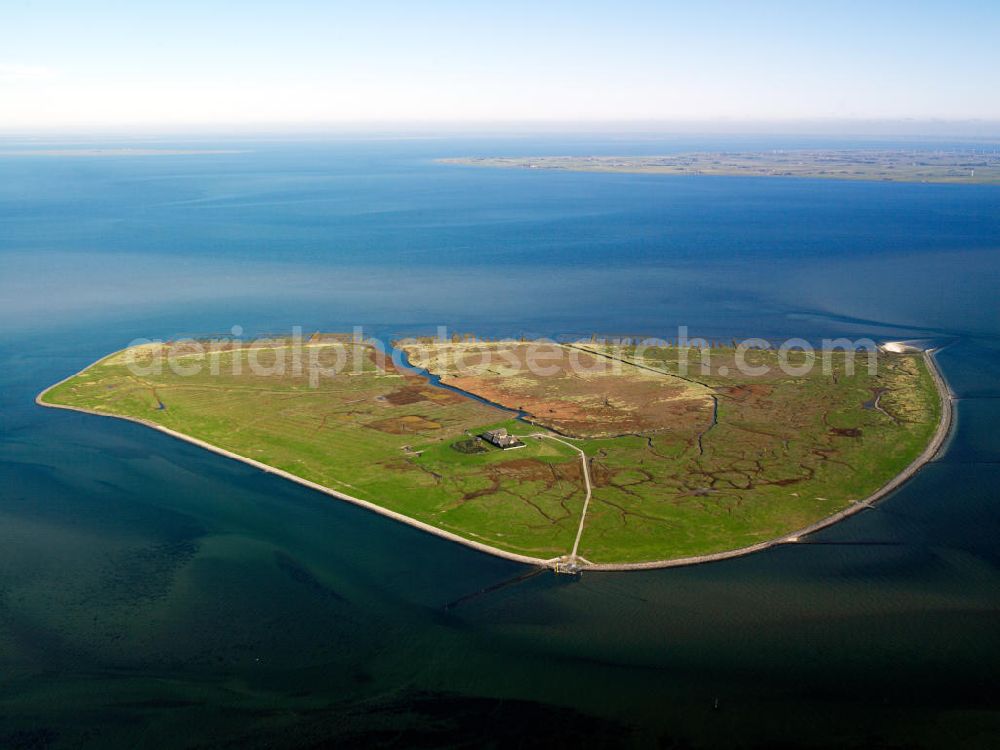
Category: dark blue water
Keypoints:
(152, 592)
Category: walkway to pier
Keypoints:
(573, 560)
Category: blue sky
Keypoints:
(125, 62)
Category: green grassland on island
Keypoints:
(371, 432)
(680, 466)
(783, 452)
(711, 460)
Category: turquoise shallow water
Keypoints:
(153, 593)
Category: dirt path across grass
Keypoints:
(574, 559)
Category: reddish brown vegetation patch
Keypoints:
(746, 391)
(600, 474)
(524, 470)
(411, 423)
(414, 392)
(533, 470)
(602, 407)
(853, 432)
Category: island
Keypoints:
(969, 166)
(591, 454)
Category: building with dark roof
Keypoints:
(502, 439)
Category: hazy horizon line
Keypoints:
(829, 126)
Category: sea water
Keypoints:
(149, 589)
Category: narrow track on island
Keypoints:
(573, 559)
(633, 363)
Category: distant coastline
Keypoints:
(971, 166)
